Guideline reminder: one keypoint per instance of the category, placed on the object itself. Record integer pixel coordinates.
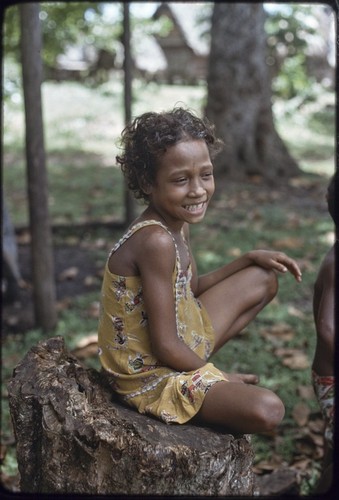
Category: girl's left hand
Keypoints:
(278, 261)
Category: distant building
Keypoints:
(185, 52)
(180, 53)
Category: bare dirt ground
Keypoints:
(76, 272)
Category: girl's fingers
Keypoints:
(246, 378)
(289, 265)
(249, 378)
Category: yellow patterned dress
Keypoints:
(125, 351)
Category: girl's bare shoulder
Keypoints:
(150, 243)
(152, 240)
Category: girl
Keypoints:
(160, 322)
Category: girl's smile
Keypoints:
(184, 183)
(195, 208)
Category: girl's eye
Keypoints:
(207, 175)
(180, 180)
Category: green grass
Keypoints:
(308, 131)
(82, 126)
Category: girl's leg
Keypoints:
(235, 301)
(241, 408)
(232, 304)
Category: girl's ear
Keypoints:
(147, 188)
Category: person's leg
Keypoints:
(323, 361)
(241, 408)
(235, 301)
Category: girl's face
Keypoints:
(184, 183)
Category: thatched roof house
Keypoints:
(180, 54)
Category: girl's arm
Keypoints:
(267, 259)
(156, 261)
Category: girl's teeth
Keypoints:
(193, 208)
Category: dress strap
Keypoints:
(140, 225)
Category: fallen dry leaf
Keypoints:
(64, 304)
(87, 347)
(300, 414)
(301, 181)
(305, 447)
(293, 311)
(317, 425)
(72, 240)
(85, 341)
(69, 274)
(12, 320)
(295, 359)
(280, 331)
(289, 242)
(310, 445)
(23, 238)
(306, 392)
(302, 464)
(90, 280)
(317, 439)
(293, 220)
(100, 243)
(263, 466)
(94, 309)
(234, 252)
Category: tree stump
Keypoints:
(73, 437)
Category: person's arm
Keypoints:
(156, 260)
(267, 259)
(324, 319)
(323, 310)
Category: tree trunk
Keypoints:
(239, 95)
(126, 36)
(73, 438)
(41, 239)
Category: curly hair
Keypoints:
(147, 138)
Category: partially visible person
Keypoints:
(11, 279)
(323, 373)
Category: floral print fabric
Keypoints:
(125, 351)
(324, 391)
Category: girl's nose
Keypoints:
(196, 189)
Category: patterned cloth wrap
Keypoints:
(324, 390)
(125, 351)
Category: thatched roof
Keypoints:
(188, 18)
(185, 15)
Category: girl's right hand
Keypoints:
(245, 378)
(278, 261)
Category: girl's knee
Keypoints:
(269, 412)
(269, 283)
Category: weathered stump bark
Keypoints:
(72, 437)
